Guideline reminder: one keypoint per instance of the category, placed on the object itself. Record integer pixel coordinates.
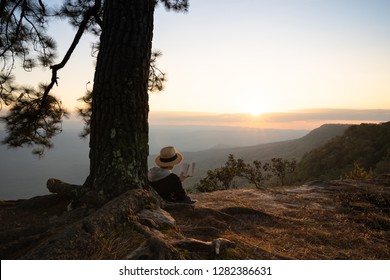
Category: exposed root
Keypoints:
(195, 245)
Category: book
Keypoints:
(187, 169)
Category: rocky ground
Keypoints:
(318, 220)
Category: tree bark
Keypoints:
(119, 122)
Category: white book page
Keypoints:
(187, 169)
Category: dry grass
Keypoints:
(117, 245)
(308, 222)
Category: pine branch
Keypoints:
(91, 12)
(36, 116)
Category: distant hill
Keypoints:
(24, 175)
(213, 158)
(366, 144)
(199, 138)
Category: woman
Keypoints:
(167, 184)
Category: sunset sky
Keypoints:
(275, 55)
(255, 56)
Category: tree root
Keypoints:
(80, 237)
(80, 195)
(195, 245)
(62, 188)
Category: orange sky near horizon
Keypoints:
(301, 119)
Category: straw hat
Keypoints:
(168, 157)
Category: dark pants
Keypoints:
(188, 200)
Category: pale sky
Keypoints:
(275, 55)
(254, 56)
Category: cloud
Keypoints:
(307, 119)
(329, 114)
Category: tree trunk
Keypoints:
(119, 122)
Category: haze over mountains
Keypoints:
(24, 175)
(288, 149)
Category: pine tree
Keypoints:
(119, 107)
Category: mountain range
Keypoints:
(289, 149)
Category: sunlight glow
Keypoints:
(255, 109)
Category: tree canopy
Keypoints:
(365, 145)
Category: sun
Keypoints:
(255, 110)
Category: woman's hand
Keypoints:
(182, 177)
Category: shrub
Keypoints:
(222, 178)
(282, 168)
(358, 173)
(256, 173)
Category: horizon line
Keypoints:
(307, 118)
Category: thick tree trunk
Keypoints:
(119, 123)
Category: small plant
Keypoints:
(254, 174)
(358, 173)
(222, 178)
(282, 168)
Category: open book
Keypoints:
(187, 169)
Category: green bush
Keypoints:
(256, 173)
(358, 173)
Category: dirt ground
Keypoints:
(336, 220)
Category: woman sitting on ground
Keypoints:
(167, 184)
